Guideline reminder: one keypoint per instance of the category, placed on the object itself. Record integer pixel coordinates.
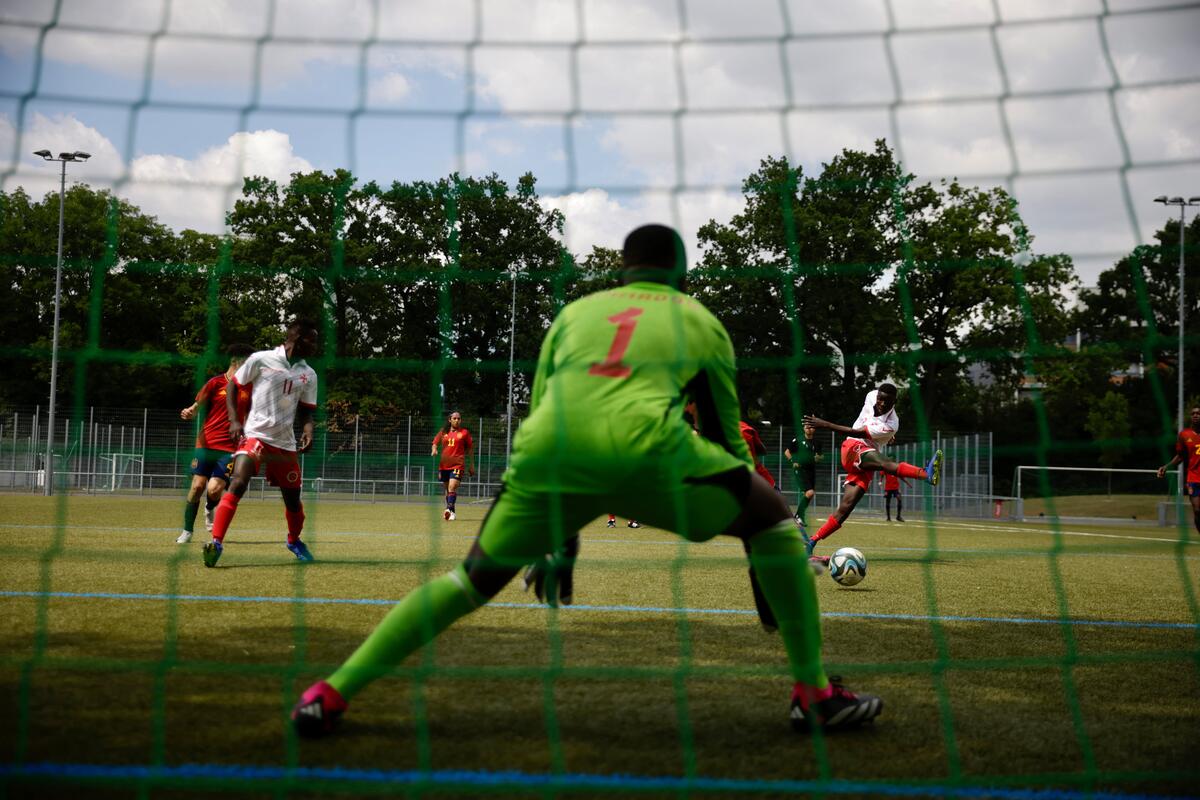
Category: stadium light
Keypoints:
(1183, 204)
(512, 349)
(76, 156)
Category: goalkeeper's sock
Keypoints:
(424, 613)
(779, 560)
(906, 470)
(295, 523)
(190, 510)
(831, 525)
(224, 515)
(451, 498)
(802, 505)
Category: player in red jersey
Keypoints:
(214, 445)
(457, 454)
(875, 426)
(1187, 452)
(757, 451)
(891, 488)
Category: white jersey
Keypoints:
(882, 429)
(279, 388)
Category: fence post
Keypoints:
(407, 456)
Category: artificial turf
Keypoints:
(1015, 658)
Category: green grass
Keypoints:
(627, 685)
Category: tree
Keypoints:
(860, 274)
(1108, 423)
(1134, 307)
(407, 277)
(132, 300)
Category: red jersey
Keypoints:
(1187, 447)
(455, 444)
(755, 443)
(891, 483)
(214, 434)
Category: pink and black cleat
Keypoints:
(833, 708)
(317, 712)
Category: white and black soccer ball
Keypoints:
(848, 566)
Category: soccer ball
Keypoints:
(848, 566)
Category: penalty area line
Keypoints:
(584, 608)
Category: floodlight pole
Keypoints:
(63, 158)
(512, 342)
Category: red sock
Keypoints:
(827, 529)
(223, 515)
(295, 522)
(909, 471)
(807, 695)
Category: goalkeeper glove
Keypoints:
(553, 578)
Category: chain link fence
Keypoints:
(149, 452)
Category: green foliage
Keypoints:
(1108, 422)
(828, 283)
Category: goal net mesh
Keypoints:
(135, 672)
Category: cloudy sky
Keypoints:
(626, 110)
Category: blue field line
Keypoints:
(527, 780)
(604, 609)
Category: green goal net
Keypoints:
(957, 199)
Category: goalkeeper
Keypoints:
(606, 433)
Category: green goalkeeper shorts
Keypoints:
(525, 524)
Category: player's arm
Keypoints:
(201, 400)
(244, 376)
(1162, 471)
(305, 413)
(545, 365)
(817, 422)
(714, 391)
(305, 417)
(235, 424)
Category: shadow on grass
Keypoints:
(620, 694)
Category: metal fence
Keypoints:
(148, 451)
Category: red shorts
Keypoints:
(283, 466)
(852, 452)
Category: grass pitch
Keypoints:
(1011, 658)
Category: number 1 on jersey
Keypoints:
(612, 366)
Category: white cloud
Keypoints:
(1063, 55)
(935, 13)
(732, 76)
(181, 192)
(635, 133)
(390, 88)
(197, 192)
(519, 79)
(528, 20)
(938, 65)
(649, 20)
(596, 218)
(954, 139)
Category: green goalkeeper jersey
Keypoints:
(615, 371)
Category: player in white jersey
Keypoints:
(876, 426)
(284, 392)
